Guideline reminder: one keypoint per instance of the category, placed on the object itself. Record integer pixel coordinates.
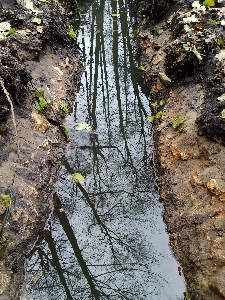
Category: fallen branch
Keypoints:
(10, 102)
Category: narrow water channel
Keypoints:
(106, 238)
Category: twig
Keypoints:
(10, 102)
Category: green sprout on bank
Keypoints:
(156, 105)
(65, 131)
(178, 124)
(187, 296)
(141, 68)
(64, 106)
(41, 104)
(72, 33)
(6, 199)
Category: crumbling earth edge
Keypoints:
(189, 159)
(35, 56)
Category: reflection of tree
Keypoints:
(95, 250)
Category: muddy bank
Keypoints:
(39, 58)
(182, 58)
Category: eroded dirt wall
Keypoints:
(39, 59)
(182, 55)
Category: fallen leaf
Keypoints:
(164, 78)
(191, 19)
(36, 20)
(78, 178)
(83, 126)
(220, 56)
(5, 26)
(221, 98)
(29, 5)
(158, 85)
(223, 114)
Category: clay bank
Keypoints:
(182, 58)
(38, 60)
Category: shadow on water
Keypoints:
(106, 238)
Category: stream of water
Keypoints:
(106, 238)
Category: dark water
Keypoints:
(106, 238)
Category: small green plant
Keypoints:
(41, 104)
(220, 43)
(155, 105)
(64, 107)
(141, 68)
(187, 296)
(209, 3)
(6, 199)
(71, 33)
(178, 124)
(136, 31)
(65, 131)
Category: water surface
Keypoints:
(106, 238)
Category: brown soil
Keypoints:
(189, 162)
(29, 161)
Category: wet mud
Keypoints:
(184, 42)
(38, 61)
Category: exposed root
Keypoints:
(10, 102)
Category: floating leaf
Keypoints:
(37, 276)
(6, 199)
(150, 119)
(164, 78)
(83, 126)
(78, 178)
(220, 56)
(177, 122)
(98, 31)
(141, 68)
(209, 3)
(90, 102)
(223, 114)
(221, 98)
(36, 20)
